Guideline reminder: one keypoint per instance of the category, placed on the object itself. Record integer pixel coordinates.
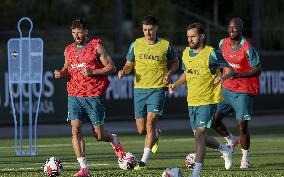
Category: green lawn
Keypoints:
(267, 157)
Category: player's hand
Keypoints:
(172, 88)
(87, 72)
(218, 80)
(166, 79)
(57, 74)
(120, 74)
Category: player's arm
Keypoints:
(178, 83)
(106, 60)
(228, 73)
(63, 72)
(173, 62)
(127, 68)
(255, 66)
(216, 60)
(254, 71)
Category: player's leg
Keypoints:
(201, 118)
(226, 150)
(140, 110)
(77, 137)
(83, 147)
(113, 139)
(243, 113)
(244, 134)
(141, 128)
(76, 116)
(95, 109)
(203, 140)
(155, 104)
(219, 126)
(222, 130)
(245, 143)
(141, 125)
(140, 113)
(207, 115)
(200, 149)
(77, 141)
(155, 146)
(225, 108)
(98, 132)
(150, 137)
(154, 101)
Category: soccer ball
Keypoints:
(53, 167)
(172, 172)
(189, 161)
(127, 162)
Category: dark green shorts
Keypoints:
(201, 116)
(87, 109)
(149, 100)
(240, 103)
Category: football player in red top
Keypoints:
(239, 90)
(87, 65)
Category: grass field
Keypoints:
(267, 156)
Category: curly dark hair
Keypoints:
(149, 20)
(79, 23)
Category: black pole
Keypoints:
(117, 26)
(255, 16)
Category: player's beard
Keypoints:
(149, 37)
(193, 45)
(234, 36)
(80, 40)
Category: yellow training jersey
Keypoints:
(201, 89)
(150, 65)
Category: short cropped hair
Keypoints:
(149, 20)
(237, 21)
(79, 23)
(198, 26)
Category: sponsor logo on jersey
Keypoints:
(78, 65)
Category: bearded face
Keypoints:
(150, 31)
(234, 30)
(79, 35)
(194, 39)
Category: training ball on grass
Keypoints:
(127, 162)
(53, 167)
(172, 172)
(189, 161)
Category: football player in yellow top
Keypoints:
(154, 61)
(202, 75)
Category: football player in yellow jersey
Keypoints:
(202, 75)
(150, 57)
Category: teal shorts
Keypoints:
(149, 100)
(240, 103)
(87, 109)
(201, 116)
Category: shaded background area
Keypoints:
(117, 22)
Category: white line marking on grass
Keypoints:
(37, 168)
(256, 138)
(97, 144)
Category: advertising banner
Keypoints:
(119, 96)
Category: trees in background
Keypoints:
(52, 18)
